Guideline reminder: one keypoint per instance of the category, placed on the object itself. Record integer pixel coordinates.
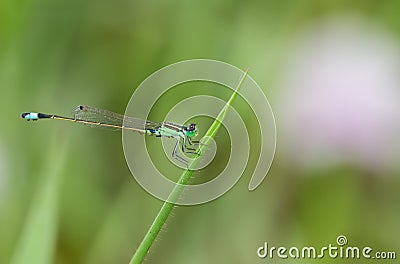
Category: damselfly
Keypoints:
(96, 117)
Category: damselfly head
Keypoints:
(191, 130)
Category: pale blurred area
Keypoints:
(340, 96)
(329, 68)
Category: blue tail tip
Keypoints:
(30, 116)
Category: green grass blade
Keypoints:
(167, 207)
(38, 238)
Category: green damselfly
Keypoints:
(96, 117)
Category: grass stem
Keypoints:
(167, 207)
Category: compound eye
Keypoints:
(192, 127)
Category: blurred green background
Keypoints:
(66, 193)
